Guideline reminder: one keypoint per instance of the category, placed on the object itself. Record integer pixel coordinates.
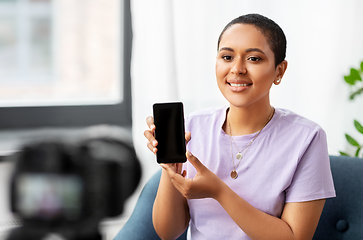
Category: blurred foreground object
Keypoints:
(65, 189)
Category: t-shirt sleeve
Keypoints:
(312, 179)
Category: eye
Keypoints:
(254, 59)
(227, 57)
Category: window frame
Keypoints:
(80, 115)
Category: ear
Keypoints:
(280, 71)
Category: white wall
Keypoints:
(175, 47)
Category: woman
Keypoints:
(253, 171)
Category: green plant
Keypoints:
(354, 79)
(354, 142)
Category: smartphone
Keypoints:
(170, 132)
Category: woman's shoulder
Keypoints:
(206, 116)
(207, 112)
(293, 120)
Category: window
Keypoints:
(64, 63)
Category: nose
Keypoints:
(239, 67)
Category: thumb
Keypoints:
(194, 161)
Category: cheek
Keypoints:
(264, 74)
(221, 71)
(219, 76)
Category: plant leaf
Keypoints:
(351, 140)
(349, 79)
(355, 74)
(358, 126)
(344, 154)
(357, 152)
(361, 66)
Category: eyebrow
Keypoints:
(255, 50)
(247, 50)
(226, 49)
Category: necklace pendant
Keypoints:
(234, 174)
(239, 156)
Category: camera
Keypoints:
(64, 188)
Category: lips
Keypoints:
(238, 86)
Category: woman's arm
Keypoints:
(298, 220)
(170, 211)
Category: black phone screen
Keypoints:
(169, 132)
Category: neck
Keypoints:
(243, 121)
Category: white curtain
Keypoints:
(175, 45)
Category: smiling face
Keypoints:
(245, 66)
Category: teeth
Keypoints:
(239, 85)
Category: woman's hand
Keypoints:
(150, 135)
(205, 183)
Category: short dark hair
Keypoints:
(271, 30)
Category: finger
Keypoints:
(150, 137)
(188, 136)
(150, 123)
(195, 162)
(169, 168)
(152, 147)
(172, 170)
(177, 180)
(164, 166)
(175, 167)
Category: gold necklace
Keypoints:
(239, 154)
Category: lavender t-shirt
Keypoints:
(287, 162)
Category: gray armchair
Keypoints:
(341, 218)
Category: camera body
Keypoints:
(64, 188)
